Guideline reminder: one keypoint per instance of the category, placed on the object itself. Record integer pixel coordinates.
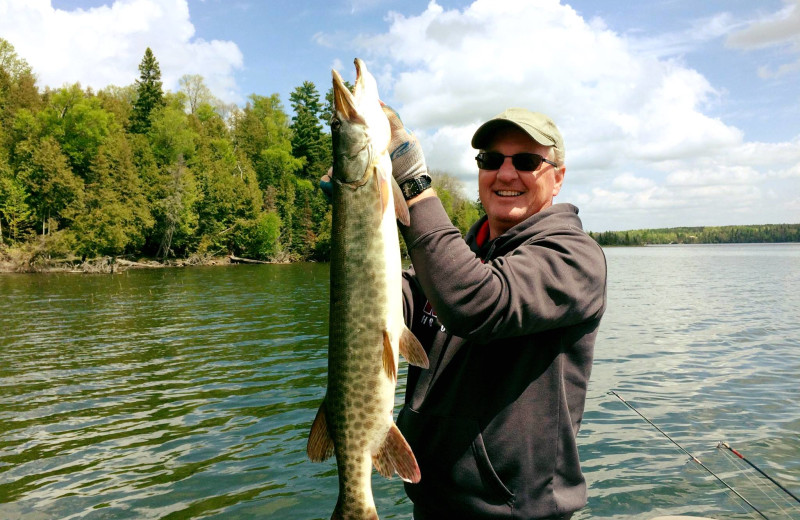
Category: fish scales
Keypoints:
(366, 331)
(357, 384)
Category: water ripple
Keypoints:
(189, 393)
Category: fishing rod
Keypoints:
(727, 446)
(691, 457)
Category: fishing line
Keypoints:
(760, 484)
(691, 457)
(728, 447)
(769, 491)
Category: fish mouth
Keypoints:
(344, 101)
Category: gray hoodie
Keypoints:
(509, 327)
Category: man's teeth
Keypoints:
(505, 193)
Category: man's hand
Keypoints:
(408, 161)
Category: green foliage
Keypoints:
(116, 217)
(171, 138)
(767, 233)
(462, 211)
(14, 209)
(17, 84)
(12, 64)
(176, 212)
(259, 238)
(79, 123)
(308, 140)
(53, 190)
(149, 93)
(135, 171)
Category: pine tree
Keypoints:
(149, 93)
(308, 140)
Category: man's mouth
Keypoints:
(508, 193)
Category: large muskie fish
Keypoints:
(366, 316)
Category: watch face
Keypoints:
(415, 186)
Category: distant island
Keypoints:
(765, 233)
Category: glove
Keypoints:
(408, 161)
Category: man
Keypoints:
(508, 317)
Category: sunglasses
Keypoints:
(524, 162)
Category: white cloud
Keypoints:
(780, 29)
(631, 182)
(773, 29)
(104, 45)
(619, 106)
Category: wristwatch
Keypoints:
(413, 187)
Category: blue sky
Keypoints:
(674, 112)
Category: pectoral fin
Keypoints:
(384, 186)
(412, 350)
(320, 444)
(395, 455)
(389, 365)
(400, 206)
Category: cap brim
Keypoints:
(484, 133)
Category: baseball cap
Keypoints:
(537, 125)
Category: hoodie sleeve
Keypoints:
(555, 279)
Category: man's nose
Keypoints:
(507, 170)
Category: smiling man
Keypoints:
(508, 316)
(519, 169)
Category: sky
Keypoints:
(674, 112)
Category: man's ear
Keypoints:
(559, 179)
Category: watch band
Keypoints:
(413, 187)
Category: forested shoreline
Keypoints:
(765, 233)
(135, 176)
(178, 178)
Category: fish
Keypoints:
(366, 328)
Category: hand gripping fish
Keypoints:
(366, 317)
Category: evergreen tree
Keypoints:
(308, 140)
(149, 93)
(54, 192)
(116, 217)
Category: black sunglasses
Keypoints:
(524, 162)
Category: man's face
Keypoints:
(509, 196)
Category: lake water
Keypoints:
(183, 394)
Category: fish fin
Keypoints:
(400, 206)
(395, 455)
(320, 444)
(382, 465)
(412, 349)
(384, 186)
(388, 357)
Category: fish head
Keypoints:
(359, 127)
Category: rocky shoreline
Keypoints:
(108, 265)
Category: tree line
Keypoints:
(766, 233)
(138, 171)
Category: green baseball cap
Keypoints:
(537, 125)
